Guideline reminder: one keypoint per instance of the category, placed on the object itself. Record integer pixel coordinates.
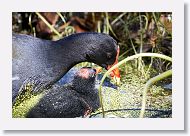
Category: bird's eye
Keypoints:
(109, 55)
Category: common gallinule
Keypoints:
(44, 62)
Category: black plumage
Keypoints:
(69, 76)
(50, 60)
(75, 100)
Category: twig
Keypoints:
(62, 18)
(148, 84)
(118, 18)
(48, 24)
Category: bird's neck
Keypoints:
(64, 54)
(74, 48)
(71, 52)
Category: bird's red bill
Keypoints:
(115, 73)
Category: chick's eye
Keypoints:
(109, 55)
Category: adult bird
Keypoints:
(44, 62)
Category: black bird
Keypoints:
(69, 76)
(44, 62)
(78, 99)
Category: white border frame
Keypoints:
(174, 123)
